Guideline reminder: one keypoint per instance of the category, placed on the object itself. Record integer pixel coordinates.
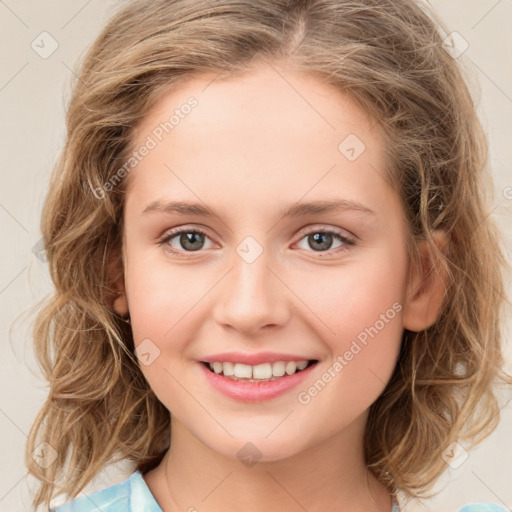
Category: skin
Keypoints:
(251, 147)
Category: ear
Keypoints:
(119, 300)
(426, 287)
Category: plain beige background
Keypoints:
(33, 93)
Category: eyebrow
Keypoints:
(295, 210)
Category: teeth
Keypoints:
(262, 371)
(301, 365)
(278, 369)
(242, 371)
(228, 369)
(265, 371)
(291, 367)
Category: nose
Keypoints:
(251, 297)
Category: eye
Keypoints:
(193, 240)
(190, 240)
(321, 240)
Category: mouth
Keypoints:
(257, 376)
(265, 372)
(254, 383)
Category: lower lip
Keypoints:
(255, 391)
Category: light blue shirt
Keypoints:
(133, 495)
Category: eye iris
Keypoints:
(320, 238)
(194, 240)
(187, 240)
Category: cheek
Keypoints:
(160, 296)
(352, 297)
(359, 319)
(161, 305)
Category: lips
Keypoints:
(255, 358)
(248, 389)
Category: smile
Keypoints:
(258, 383)
(265, 372)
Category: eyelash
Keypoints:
(338, 236)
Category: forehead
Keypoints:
(270, 133)
(265, 97)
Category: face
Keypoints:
(256, 267)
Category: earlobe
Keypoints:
(120, 300)
(426, 287)
(120, 305)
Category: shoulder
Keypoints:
(130, 495)
(482, 507)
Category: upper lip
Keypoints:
(253, 359)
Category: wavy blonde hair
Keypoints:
(388, 56)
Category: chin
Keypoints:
(250, 449)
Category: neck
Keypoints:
(329, 476)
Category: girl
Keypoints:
(277, 283)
